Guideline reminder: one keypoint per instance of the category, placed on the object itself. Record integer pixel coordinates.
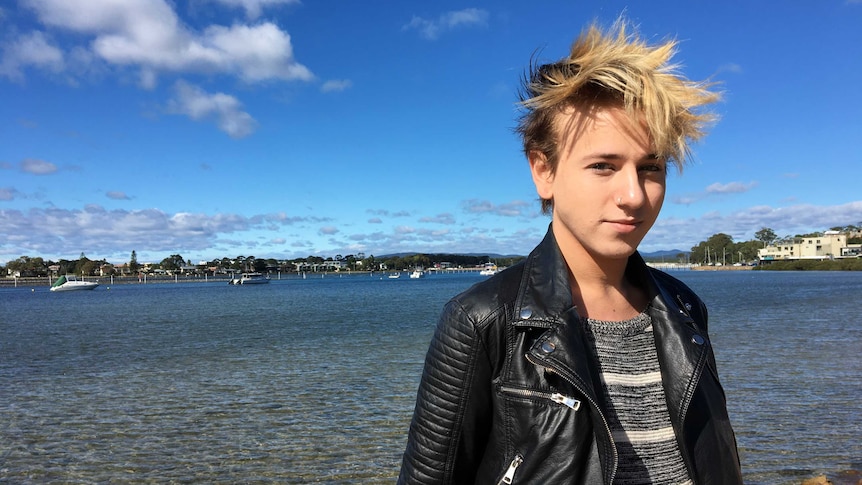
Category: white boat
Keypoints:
(72, 283)
(250, 279)
(489, 269)
(417, 274)
(394, 276)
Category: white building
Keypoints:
(832, 244)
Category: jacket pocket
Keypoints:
(556, 397)
(509, 475)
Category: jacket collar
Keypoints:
(545, 292)
(545, 301)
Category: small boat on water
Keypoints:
(72, 283)
(250, 279)
(489, 269)
(394, 276)
(417, 274)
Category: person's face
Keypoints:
(608, 187)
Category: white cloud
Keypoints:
(465, 240)
(224, 109)
(730, 188)
(253, 8)
(117, 195)
(678, 233)
(516, 208)
(386, 213)
(148, 35)
(8, 193)
(431, 29)
(715, 190)
(32, 49)
(445, 218)
(730, 67)
(336, 85)
(328, 230)
(108, 232)
(38, 167)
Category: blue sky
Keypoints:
(280, 128)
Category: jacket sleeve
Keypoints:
(451, 420)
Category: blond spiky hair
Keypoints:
(616, 68)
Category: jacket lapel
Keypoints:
(682, 352)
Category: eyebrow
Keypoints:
(617, 156)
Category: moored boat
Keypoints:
(489, 269)
(72, 283)
(250, 279)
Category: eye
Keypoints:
(601, 167)
(653, 166)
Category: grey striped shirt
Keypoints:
(635, 402)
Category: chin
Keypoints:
(615, 251)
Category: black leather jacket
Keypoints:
(509, 393)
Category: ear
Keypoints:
(543, 174)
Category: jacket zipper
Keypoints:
(558, 398)
(510, 472)
(595, 405)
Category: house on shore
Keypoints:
(831, 245)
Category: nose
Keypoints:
(631, 192)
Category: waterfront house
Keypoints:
(831, 245)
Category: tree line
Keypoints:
(721, 248)
(718, 248)
(37, 266)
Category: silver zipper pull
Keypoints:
(566, 400)
(510, 472)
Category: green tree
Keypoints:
(83, 266)
(766, 235)
(28, 266)
(133, 263)
(747, 250)
(172, 263)
(369, 263)
(88, 267)
(716, 249)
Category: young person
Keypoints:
(581, 364)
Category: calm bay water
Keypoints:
(313, 381)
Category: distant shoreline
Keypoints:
(42, 281)
(134, 280)
(722, 268)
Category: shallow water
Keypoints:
(313, 381)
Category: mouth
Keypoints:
(624, 226)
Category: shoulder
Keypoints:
(669, 282)
(491, 298)
(680, 293)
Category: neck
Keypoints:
(590, 269)
(600, 289)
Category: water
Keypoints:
(790, 359)
(313, 381)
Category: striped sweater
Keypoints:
(635, 404)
